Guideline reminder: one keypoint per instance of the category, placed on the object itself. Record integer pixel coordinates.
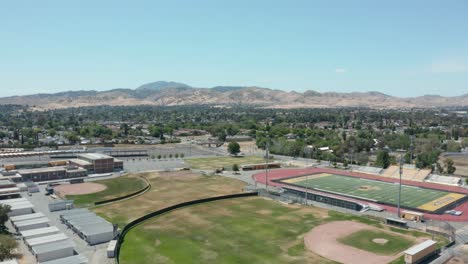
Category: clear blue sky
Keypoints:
(404, 48)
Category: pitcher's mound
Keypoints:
(380, 241)
(79, 188)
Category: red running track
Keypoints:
(286, 173)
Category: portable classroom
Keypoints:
(9, 201)
(97, 234)
(26, 217)
(60, 205)
(39, 232)
(32, 224)
(420, 252)
(31, 242)
(76, 259)
(52, 251)
(20, 209)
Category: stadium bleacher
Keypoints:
(409, 173)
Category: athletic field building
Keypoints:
(84, 164)
(358, 191)
(100, 163)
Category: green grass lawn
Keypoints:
(363, 240)
(115, 188)
(212, 163)
(244, 230)
(380, 191)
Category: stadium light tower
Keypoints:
(399, 186)
(266, 166)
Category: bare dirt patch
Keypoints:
(323, 240)
(79, 188)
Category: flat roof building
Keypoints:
(36, 241)
(89, 226)
(53, 251)
(20, 218)
(101, 163)
(39, 232)
(32, 224)
(75, 259)
(420, 252)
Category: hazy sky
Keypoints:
(403, 48)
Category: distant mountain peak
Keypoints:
(223, 89)
(167, 93)
(155, 86)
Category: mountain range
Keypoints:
(164, 93)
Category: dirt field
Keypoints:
(460, 162)
(323, 240)
(79, 188)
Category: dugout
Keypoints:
(396, 222)
(326, 199)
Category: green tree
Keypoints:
(4, 210)
(383, 159)
(235, 167)
(449, 166)
(7, 244)
(182, 155)
(234, 148)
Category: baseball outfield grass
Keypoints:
(243, 230)
(115, 188)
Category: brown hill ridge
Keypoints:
(172, 93)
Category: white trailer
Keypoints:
(61, 205)
(39, 232)
(19, 218)
(76, 259)
(32, 242)
(32, 224)
(52, 251)
(97, 234)
(22, 209)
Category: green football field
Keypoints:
(411, 196)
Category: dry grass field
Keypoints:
(169, 188)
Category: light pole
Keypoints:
(399, 186)
(266, 165)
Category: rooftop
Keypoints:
(38, 231)
(94, 156)
(81, 162)
(5, 182)
(39, 170)
(50, 247)
(32, 222)
(420, 247)
(46, 239)
(76, 259)
(26, 217)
